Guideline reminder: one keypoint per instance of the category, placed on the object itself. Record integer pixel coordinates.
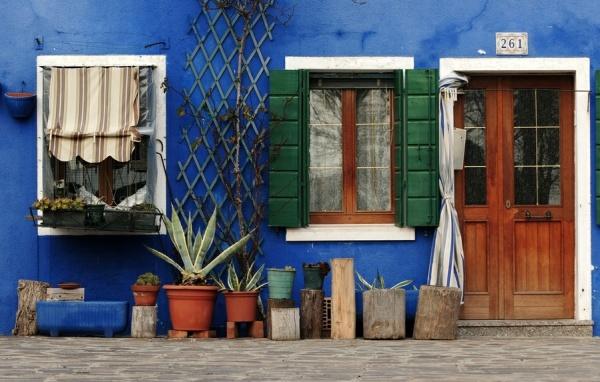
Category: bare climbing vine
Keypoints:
(233, 128)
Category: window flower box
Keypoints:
(107, 219)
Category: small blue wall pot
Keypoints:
(20, 104)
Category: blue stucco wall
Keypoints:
(425, 29)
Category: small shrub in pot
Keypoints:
(145, 290)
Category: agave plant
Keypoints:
(249, 282)
(193, 249)
(379, 283)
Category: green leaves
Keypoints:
(193, 249)
(249, 282)
(207, 240)
(379, 282)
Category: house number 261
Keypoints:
(511, 43)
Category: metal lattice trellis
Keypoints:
(209, 137)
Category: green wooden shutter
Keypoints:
(420, 148)
(399, 171)
(288, 197)
(597, 147)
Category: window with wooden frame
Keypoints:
(350, 148)
(110, 182)
(135, 182)
(353, 148)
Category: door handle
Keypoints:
(507, 204)
(546, 216)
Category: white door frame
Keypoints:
(580, 68)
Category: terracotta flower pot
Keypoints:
(191, 307)
(145, 295)
(241, 306)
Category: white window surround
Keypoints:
(159, 62)
(349, 232)
(580, 68)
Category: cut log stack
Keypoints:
(437, 313)
(29, 293)
(60, 294)
(285, 324)
(343, 304)
(311, 313)
(143, 321)
(274, 303)
(384, 314)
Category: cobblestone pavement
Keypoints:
(124, 359)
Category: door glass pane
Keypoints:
(325, 152)
(475, 152)
(536, 146)
(373, 142)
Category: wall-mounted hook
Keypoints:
(38, 42)
(164, 44)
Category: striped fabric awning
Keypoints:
(93, 112)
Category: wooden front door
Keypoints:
(515, 197)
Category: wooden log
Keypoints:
(143, 321)
(285, 325)
(343, 304)
(311, 313)
(29, 293)
(276, 303)
(437, 313)
(384, 314)
(59, 294)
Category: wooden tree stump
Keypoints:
(343, 304)
(285, 325)
(384, 314)
(29, 292)
(273, 303)
(311, 313)
(143, 321)
(437, 313)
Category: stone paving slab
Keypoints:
(125, 359)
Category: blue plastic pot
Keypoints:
(20, 105)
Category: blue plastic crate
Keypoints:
(81, 317)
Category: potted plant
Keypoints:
(383, 308)
(20, 104)
(314, 274)
(94, 214)
(281, 282)
(61, 212)
(241, 294)
(145, 290)
(191, 303)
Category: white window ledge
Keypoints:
(350, 232)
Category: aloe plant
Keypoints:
(379, 283)
(193, 248)
(249, 282)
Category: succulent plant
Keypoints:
(148, 278)
(193, 249)
(379, 283)
(45, 204)
(249, 282)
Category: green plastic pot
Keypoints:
(281, 282)
(313, 279)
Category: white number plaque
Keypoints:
(511, 44)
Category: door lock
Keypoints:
(507, 204)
